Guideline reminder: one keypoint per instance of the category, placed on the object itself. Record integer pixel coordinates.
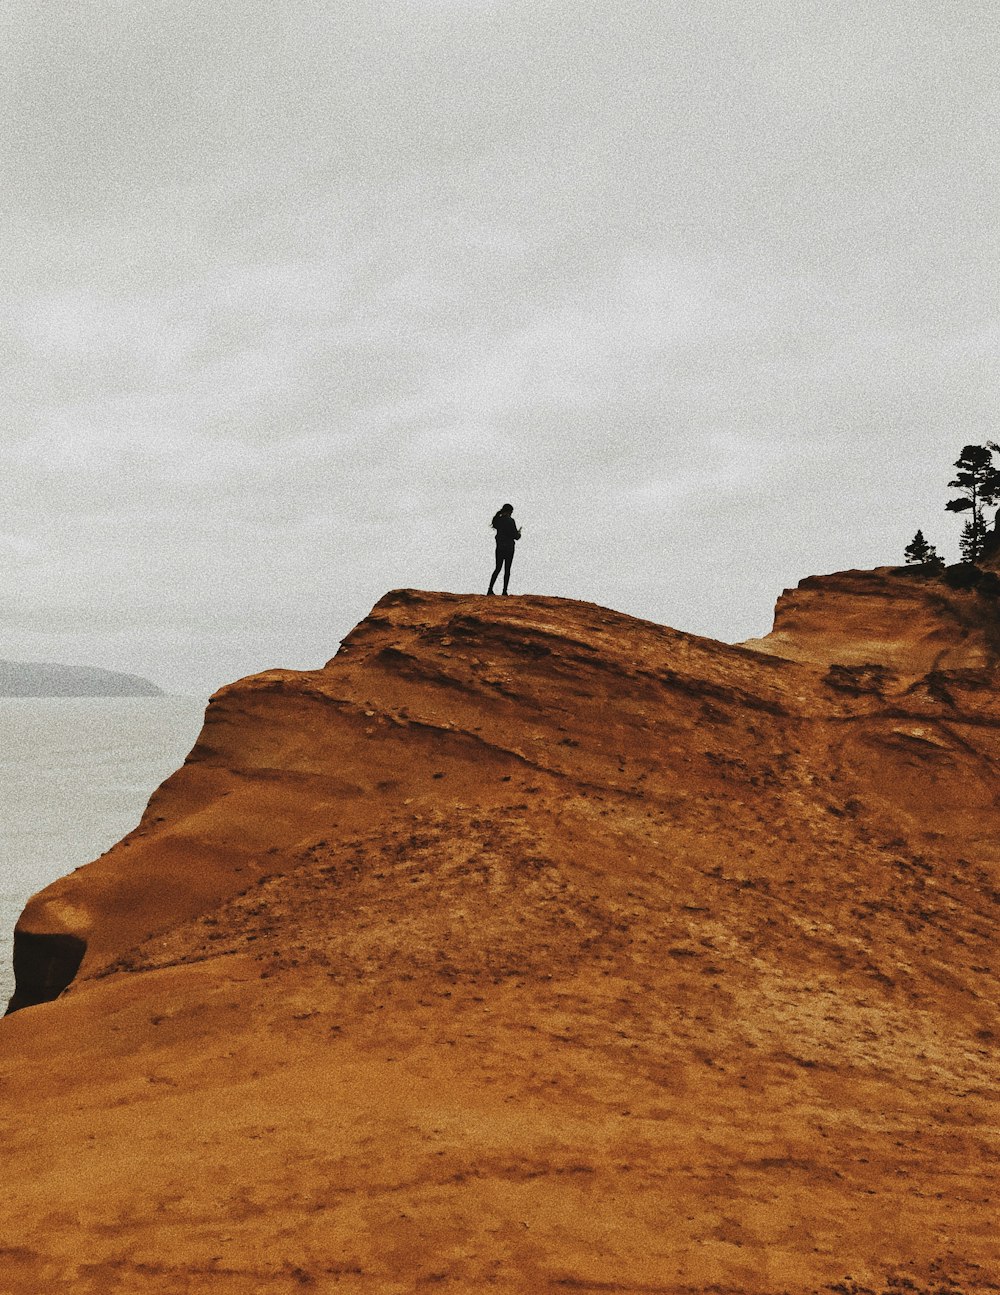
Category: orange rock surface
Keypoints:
(894, 616)
(529, 947)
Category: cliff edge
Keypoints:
(531, 947)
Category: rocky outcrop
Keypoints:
(531, 947)
(35, 679)
(910, 619)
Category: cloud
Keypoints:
(296, 294)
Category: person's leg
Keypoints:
(508, 558)
(496, 572)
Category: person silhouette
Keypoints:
(507, 536)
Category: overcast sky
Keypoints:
(297, 293)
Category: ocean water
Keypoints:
(75, 776)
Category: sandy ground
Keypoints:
(529, 947)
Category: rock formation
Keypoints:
(906, 618)
(530, 947)
(35, 679)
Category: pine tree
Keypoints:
(974, 534)
(920, 553)
(979, 482)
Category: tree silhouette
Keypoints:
(973, 538)
(920, 553)
(979, 482)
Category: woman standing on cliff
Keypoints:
(507, 536)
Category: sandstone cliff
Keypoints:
(530, 947)
(899, 617)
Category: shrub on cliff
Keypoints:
(962, 575)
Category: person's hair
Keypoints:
(507, 508)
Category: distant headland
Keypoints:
(38, 679)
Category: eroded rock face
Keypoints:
(528, 947)
(905, 618)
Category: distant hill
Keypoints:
(37, 679)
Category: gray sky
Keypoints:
(297, 294)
